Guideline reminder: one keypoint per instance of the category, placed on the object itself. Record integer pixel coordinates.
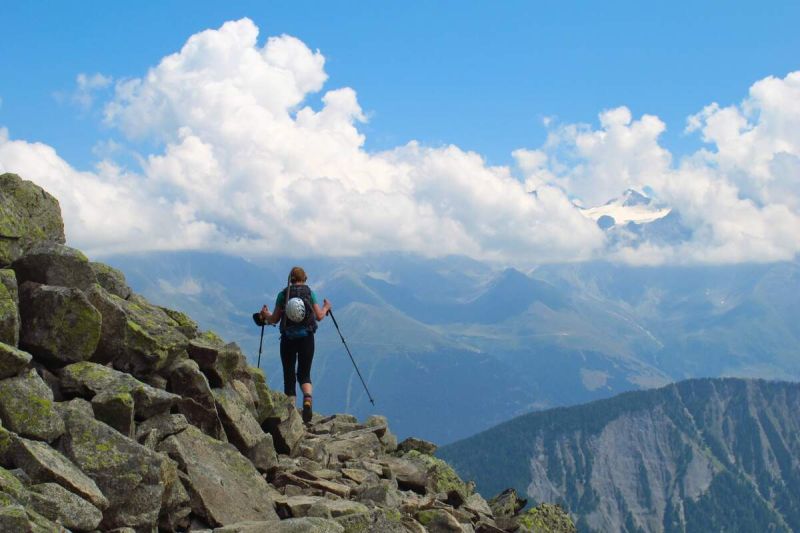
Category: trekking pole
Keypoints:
(260, 344)
(351, 357)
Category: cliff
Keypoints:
(699, 455)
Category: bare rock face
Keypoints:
(26, 407)
(9, 308)
(28, 215)
(59, 324)
(224, 487)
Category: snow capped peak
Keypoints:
(632, 206)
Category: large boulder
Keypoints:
(51, 263)
(243, 430)
(28, 214)
(26, 407)
(264, 402)
(220, 362)
(128, 473)
(87, 379)
(141, 339)
(285, 424)
(224, 487)
(111, 279)
(12, 360)
(44, 464)
(9, 308)
(197, 402)
(58, 504)
(59, 324)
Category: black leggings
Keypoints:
(298, 352)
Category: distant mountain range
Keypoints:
(468, 346)
(697, 456)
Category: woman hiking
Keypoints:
(298, 322)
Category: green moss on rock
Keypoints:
(547, 518)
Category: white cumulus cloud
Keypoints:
(246, 165)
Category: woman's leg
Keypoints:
(288, 360)
(305, 356)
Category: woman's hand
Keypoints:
(326, 305)
(265, 314)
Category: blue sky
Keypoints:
(323, 122)
(481, 75)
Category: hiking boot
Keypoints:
(307, 409)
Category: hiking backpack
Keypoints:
(308, 322)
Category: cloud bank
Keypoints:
(246, 166)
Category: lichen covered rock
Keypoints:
(59, 324)
(26, 407)
(28, 214)
(58, 504)
(86, 379)
(128, 474)
(51, 263)
(9, 308)
(12, 360)
(111, 279)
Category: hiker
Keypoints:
(298, 322)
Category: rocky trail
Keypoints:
(120, 415)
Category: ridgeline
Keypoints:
(120, 415)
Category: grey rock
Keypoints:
(242, 429)
(185, 324)
(139, 338)
(28, 214)
(14, 518)
(128, 474)
(175, 504)
(410, 475)
(12, 486)
(51, 263)
(26, 407)
(197, 402)
(285, 425)
(295, 506)
(58, 504)
(438, 521)
(264, 402)
(59, 324)
(9, 308)
(355, 444)
(326, 508)
(383, 494)
(413, 443)
(308, 525)
(223, 486)
(44, 464)
(12, 360)
(111, 279)
(86, 379)
(116, 409)
(221, 363)
(164, 425)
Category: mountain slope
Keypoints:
(700, 455)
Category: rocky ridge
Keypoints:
(120, 415)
